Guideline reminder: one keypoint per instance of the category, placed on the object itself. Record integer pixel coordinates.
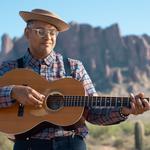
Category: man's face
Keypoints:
(42, 38)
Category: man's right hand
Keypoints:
(27, 96)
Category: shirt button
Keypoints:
(27, 138)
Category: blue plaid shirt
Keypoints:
(52, 68)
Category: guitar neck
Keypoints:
(94, 101)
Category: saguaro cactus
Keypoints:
(139, 135)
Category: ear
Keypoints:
(26, 33)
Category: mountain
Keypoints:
(116, 63)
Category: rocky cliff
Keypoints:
(112, 60)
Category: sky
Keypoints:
(133, 16)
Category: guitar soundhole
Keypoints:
(54, 102)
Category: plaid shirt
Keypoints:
(52, 68)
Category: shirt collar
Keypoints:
(29, 59)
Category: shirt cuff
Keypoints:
(5, 96)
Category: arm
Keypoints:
(12, 93)
(5, 92)
(105, 116)
(99, 116)
(5, 96)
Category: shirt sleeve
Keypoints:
(5, 96)
(81, 74)
(104, 116)
(5, 91)
(98, 116)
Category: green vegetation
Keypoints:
(5, 144)
(139, 135)
(117, 137)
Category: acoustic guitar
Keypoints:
(64, 103)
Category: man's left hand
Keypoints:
(138, 105)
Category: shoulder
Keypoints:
(8, 63)
(7, 66)
(75, 62)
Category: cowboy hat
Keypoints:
(45, 16)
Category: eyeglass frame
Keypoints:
(46, 31)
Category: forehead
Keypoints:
(41, 24)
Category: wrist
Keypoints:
(12, 94)
(123, 113)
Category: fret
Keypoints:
(96, 101)
(121, 101)
(126, 102)
(107, 101)
(70, 101)
(81, 100)
(90, 101)
(113, 101)
(103, 100)
(87, 100)
(66, 100)
(75, 101)
(75, 97)
(118, 102)
(78, 102)
(84, 100)
(99, 101)
(93, 101)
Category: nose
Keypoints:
(48, 36)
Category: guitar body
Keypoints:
(11, 123)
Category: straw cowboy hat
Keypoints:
(46, 16)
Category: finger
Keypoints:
(38, 106)
(34, 101)
(38, 96)
(139, 104)
(132, 97)
(146, 104)
(140, 95)
(133, 108)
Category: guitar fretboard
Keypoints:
(92, 101)
(96, 101)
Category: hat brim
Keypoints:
(58, 23)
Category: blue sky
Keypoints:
(133, 16)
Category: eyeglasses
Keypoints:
(44, 32)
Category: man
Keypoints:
(41, 32)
